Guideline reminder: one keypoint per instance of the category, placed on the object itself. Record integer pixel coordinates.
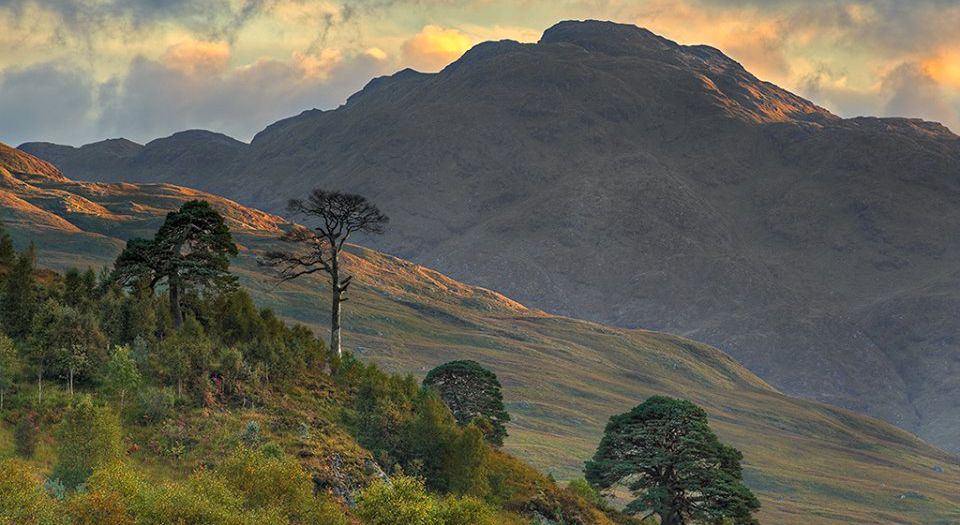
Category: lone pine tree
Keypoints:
(334, 217)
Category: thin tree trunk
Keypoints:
(39, 388)
(179, 388)
(175, 313)
(2, 392)
(71, 382)
(121, 400)
(335, 307)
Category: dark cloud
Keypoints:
(154, 100)
(45, 102)
(913, 93)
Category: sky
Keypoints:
(79, 71)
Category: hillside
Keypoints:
(610, 174)
(562, 378)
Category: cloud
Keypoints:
(197, 57)
(185, 57)
(159, 97)
(45, 102)
(434, 47)
(914, 93)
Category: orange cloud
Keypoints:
(434, 47)
(317, 66)
(944, 67)
(196, 57)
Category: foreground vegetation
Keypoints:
(228, 415)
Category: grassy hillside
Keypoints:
(562, 378)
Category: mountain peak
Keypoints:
(607, 37)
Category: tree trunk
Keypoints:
(179, 388)
(175, 313)
(39, 388)
(335, 317)
(121, 400)
(2, 391)
(70, 388)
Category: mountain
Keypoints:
(562, 377)
(610, 174)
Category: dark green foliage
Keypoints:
(66, 342)
(8, 255)
(473, 395)
(666, 454)
(191, 251)
(88, 436)
(10, 366)
(19, 300)
(154, 404)
(80, 289)
(25, 436)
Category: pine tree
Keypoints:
(10, 366)
(666, 454)
(8, 255)
(19, 297)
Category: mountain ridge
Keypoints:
(612, 175)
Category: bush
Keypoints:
(582, 488)
(251, 434)
(25, 436)
(155, 404)
(277, 485)
(99, 507)
(22, 499)
(87, 437)
(404, 500)
(458, 511)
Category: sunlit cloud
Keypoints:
(144, 68)
(434, 47)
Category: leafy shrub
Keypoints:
(459, 511)
(155, 404)
(403, 500)
(87, 437)
(251, 434)
(55, 488)
(22, 499)
(278, 485)
(99, 508)
(582, 488)
(25, 436)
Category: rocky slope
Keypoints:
(610, 174)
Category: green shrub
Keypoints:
(25, 436)
(403, 500)
(155, 404)
(22, 499)
(460, 511)
(251, 434)
(277, 485)
(582, 488)
(87, 437)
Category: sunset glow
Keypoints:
(114, 66)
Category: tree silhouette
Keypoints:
(334, 217)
